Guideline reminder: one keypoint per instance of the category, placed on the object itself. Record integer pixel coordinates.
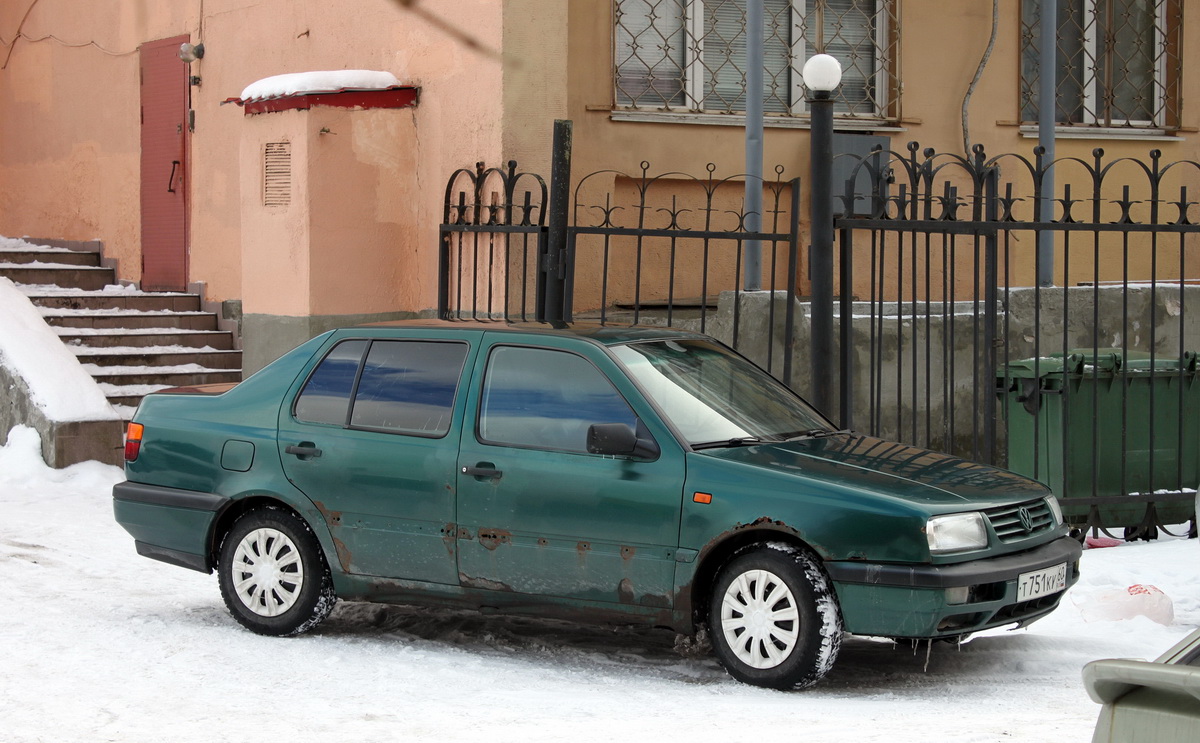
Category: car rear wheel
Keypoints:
(774, 618)
(273, 576)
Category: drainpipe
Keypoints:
(1047, 104)
(752, 281)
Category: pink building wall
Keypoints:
(361, 237)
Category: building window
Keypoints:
(689, 55)
(1118, 62)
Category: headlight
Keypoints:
(1055, 510)
(956, 532)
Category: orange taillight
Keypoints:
(133, 441)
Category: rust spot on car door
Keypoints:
(333, 518)
(449, 536)
(489, 585)
(493, 538)
(625, 591)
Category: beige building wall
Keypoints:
(941, 45)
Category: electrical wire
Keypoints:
(12, 45)
(17, 35)
(987, 54)
(52, 37)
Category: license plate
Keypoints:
(1041, 582)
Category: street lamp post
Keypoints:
(822, 74)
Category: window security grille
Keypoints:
(1118, 62)
(689, 55)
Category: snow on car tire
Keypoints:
(273, 575)
(774, 618)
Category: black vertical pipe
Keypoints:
(821, 255)
(555, 299)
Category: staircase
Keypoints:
(131, 342)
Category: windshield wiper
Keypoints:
(727, 443)
(812, 433)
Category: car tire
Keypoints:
(774, 618)
(273, 574)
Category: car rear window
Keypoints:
(326, 396)
(408, 387)
(403, 386)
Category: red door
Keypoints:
(164, 165)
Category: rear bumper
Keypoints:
(168, 524)
(914, 601)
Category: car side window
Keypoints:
(545, 399)
(326, 395)
(408, 387)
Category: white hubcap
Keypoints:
(759, 619)
(267, 572)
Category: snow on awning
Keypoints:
(341, 88)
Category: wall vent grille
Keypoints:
(277, 174)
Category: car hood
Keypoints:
(889, 468)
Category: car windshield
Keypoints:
(714, 397)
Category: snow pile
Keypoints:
(17, 244)
(299, 83)
(31, 350)
(21, 466)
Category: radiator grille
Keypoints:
(1009, 525)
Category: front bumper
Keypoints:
(168, 524)
(912, 600)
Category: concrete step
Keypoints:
(151, 375)
(79, 277)
(92, 319)
(69, 257)
(110, 338)
(135, 357)
(150, 302)
(126, 397)
(128, 401)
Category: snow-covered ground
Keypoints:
(98, 644)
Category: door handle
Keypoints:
(305, 450)
(483, 469)
(171, 181)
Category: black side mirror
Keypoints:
(619, 440)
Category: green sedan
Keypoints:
(592, 473)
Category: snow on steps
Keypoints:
(131, 342)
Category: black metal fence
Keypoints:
(946, 340)
(643, 248)
(1089, 385)
(492, 237)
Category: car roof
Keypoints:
(598, 332)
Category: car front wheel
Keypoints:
(774, 618)
(273, 576)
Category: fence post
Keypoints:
(789, 329)
(992, 299)
(553, 298)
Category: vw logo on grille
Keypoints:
(1026, 518)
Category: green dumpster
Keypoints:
(1108, 433)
